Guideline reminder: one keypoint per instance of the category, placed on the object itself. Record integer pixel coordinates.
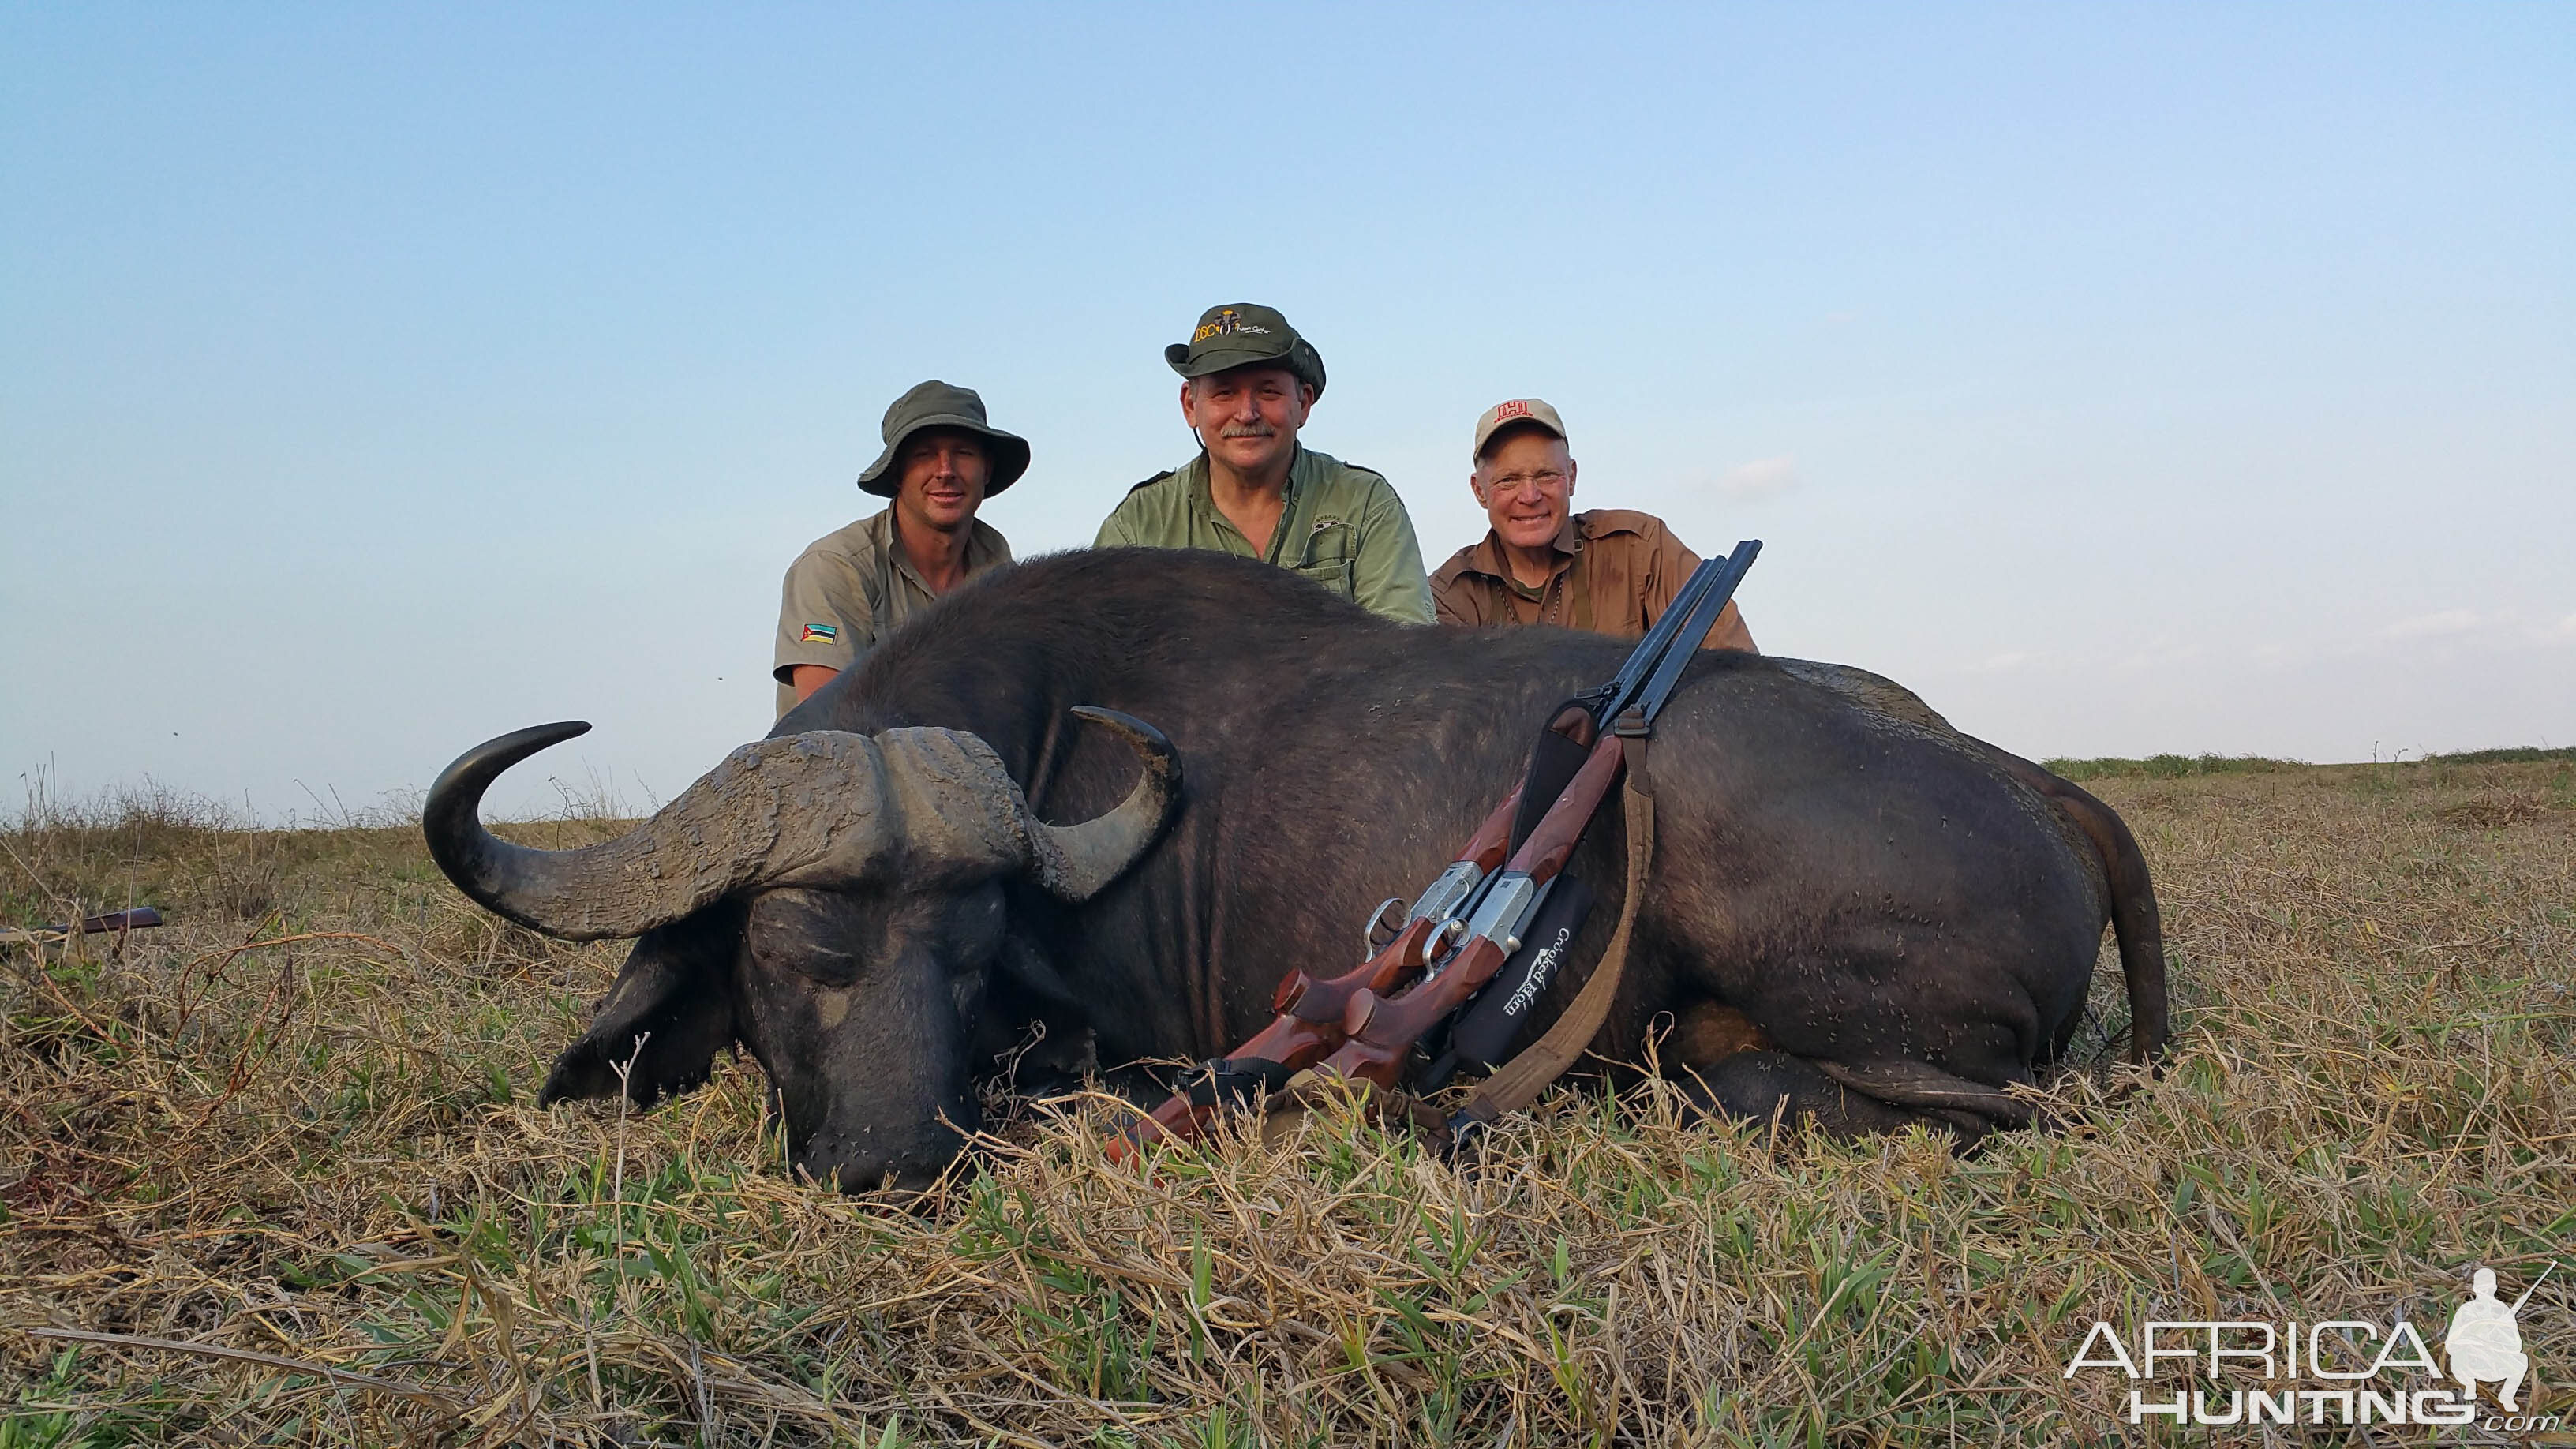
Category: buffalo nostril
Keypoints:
(900, 1176)
(906, 1188)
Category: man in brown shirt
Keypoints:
(1609, 570)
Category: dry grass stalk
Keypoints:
(270, 1175)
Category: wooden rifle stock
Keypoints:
(1311, 1009)
(1379, 1031)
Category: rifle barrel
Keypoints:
(2534, 1288)
(1658, 640)
(1703, 616)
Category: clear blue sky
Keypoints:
(373, 380)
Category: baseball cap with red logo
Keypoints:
(1502, 415)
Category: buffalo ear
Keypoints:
(664, 1021)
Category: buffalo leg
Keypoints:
(1759, 1086)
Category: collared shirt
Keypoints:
(1340, 525)
(1613, 571)
(850, 588)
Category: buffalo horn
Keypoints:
(820, 809)
(1073, 861)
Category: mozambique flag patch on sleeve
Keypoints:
(820, 634)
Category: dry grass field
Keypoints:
(272, 1174)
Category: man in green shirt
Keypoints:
(1247, 383)
(852, 586)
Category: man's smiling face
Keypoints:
(944, 473)
(1523, 480)
(1247, 417)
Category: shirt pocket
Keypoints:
(1329, 558)
(1335, 577)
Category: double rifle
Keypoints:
(1487, 912)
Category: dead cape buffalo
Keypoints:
(1853, 907)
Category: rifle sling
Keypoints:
(1520, 1080)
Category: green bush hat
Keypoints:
(1242, 334)
(936, 404)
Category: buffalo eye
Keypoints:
(818, 934)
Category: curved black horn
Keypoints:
(1073, 861)
(771, 806)
(810, 809)
(487, 868)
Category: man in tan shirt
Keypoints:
(1609, 570)
(851, 587)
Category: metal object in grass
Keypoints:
(117, 921)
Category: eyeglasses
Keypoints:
(1546, 479)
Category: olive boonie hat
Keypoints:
(1243, 334)
(936, 404)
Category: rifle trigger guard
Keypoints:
(1441, 935)
(1370, 945)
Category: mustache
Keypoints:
(1249, 430)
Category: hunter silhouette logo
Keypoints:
(2484, 1345)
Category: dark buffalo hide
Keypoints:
(1856, 915)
